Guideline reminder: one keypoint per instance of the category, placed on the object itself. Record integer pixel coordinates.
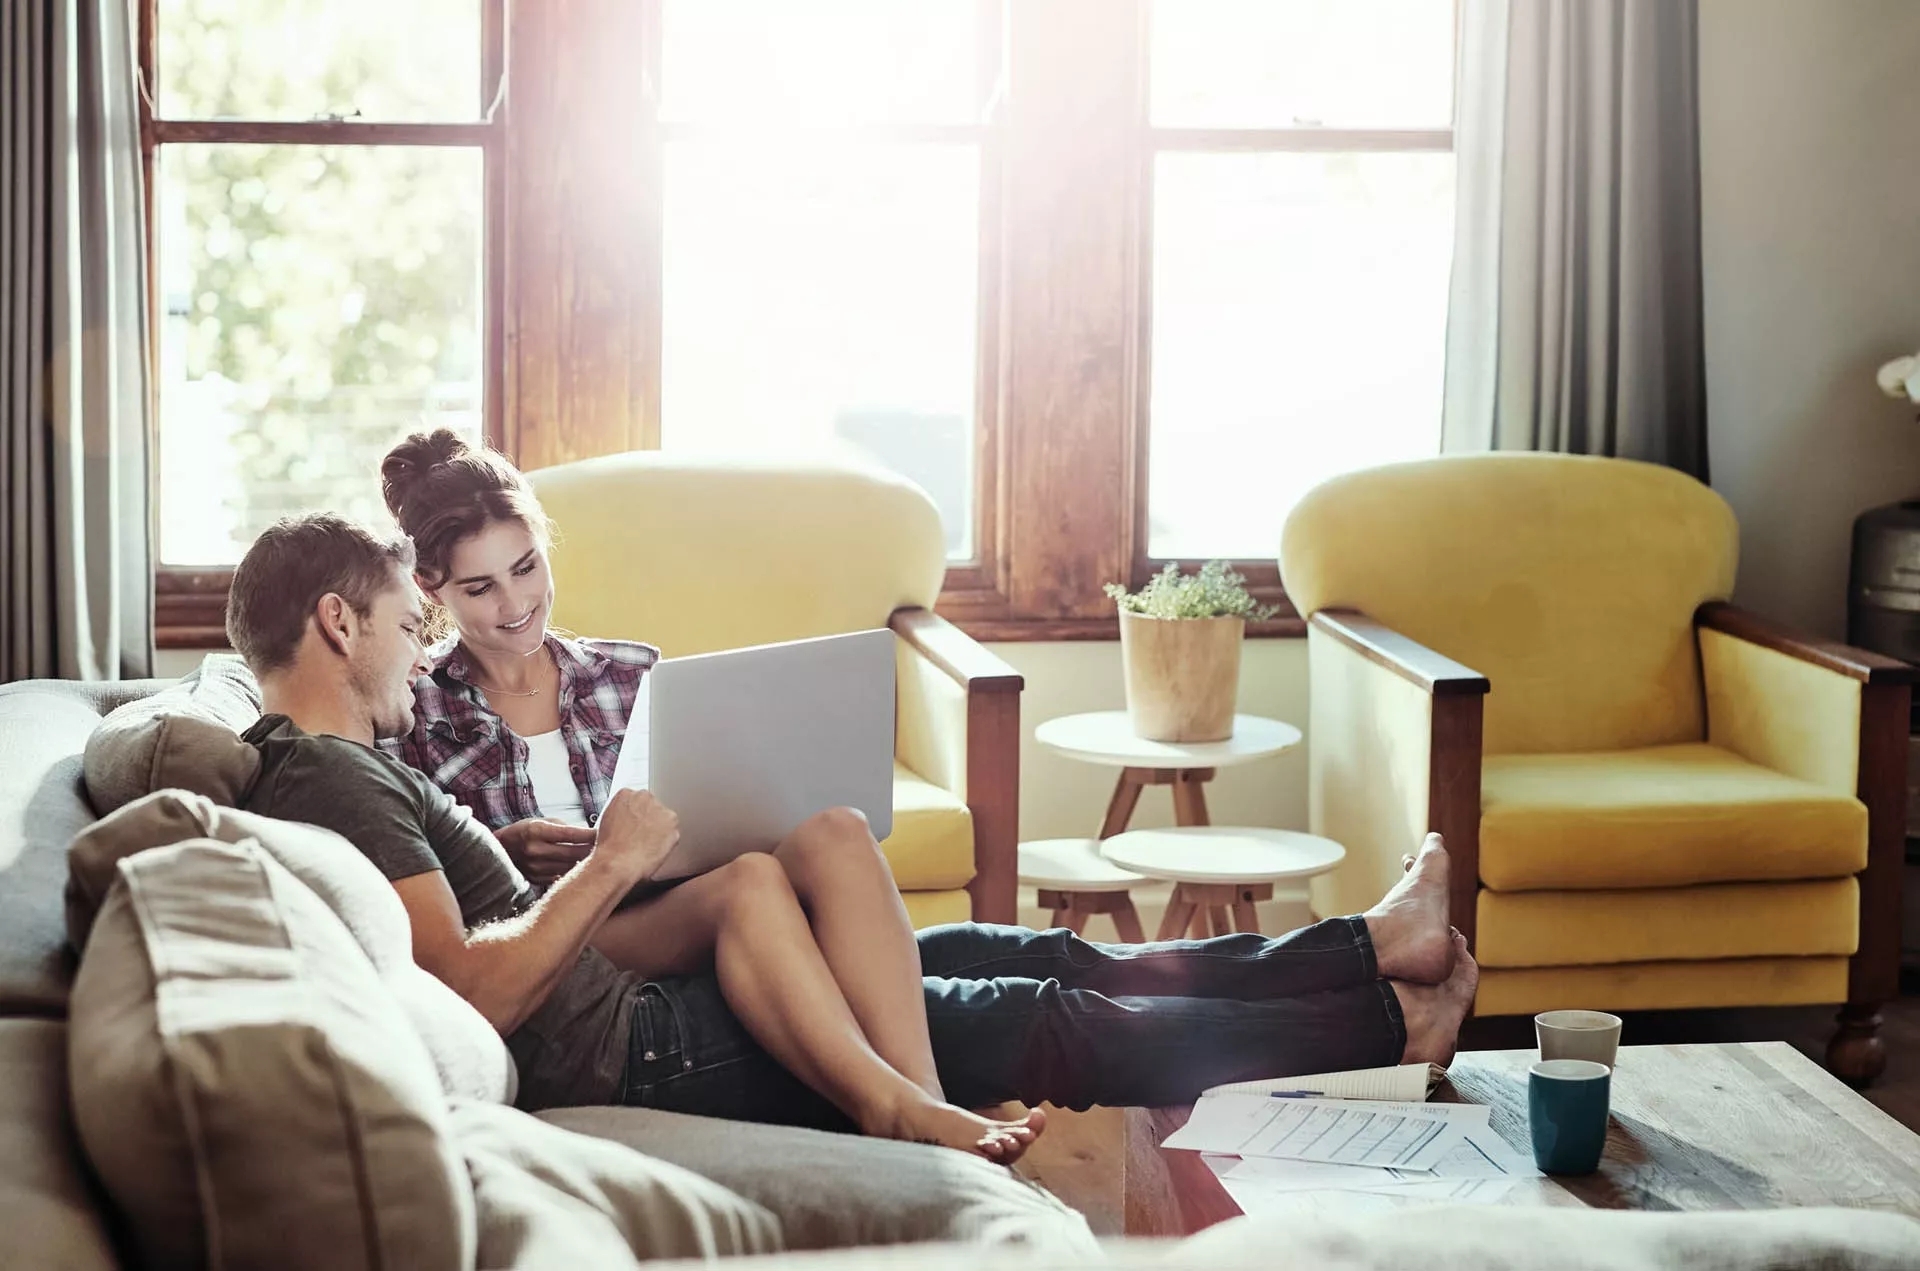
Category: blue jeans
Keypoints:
(1046, 1016)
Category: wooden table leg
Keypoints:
(1126, 795)
(1190, 796)
(1245, 916)
(1126, 920)
(1180, 911)
(1222, 924)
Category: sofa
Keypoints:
(1653, 799)
(244, 1068)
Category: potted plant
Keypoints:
(1180, 646)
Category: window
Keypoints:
(1114, 280)
(318, 188)
(821, 182)
(1302, 219)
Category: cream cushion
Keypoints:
(187, 736)
(242, 1085)
(550, 1198)
(881, 1191)
(469, 1056)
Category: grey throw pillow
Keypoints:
(185, 736)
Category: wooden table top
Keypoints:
(1728, 1126)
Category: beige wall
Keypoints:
(1810, 185)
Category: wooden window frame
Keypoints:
(574, 280)
(190, 602)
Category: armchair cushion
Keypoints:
(1665, 816)
(931, 847)
(1669, 924)
(1583, 622)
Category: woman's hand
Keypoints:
(544, 850)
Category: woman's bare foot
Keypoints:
(1434, 1012)
(930, 1121)
(1409, 925)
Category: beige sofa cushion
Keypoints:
(550, 1198)
(835, 1190)
(187, 736)
(468, 1054)
(243, 1086)
(50, 1213)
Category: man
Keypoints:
(327, 616)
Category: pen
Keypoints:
(1293, 1094)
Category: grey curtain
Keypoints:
(1574, 322)
(76, 568)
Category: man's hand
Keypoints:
(544, 850)
(636, 833)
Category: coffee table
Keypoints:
(1727, 1126)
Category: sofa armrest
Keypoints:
(959, 727)
(1393, 753)
(1833, 715)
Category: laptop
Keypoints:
(745, 744)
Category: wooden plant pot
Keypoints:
(1183, 675)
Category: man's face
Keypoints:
(388, 657)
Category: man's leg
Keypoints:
(1036, 1040)
(1334, 954)
(1405, 936)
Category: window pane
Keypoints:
(826, 61)
(317, 304)
(417, 60)
(1288, 63)
(824, 298)
(1299, 322)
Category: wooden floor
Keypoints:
(1078, 1159)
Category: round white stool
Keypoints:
(1217, 868)
(1076, 882)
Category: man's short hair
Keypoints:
(295, 562)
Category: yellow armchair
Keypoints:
(1652, 798)
(694, 554)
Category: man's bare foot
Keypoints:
(1409, 925)
(1434, 1012)
(930, 1121)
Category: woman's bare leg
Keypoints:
(745, 921)
(862, 928)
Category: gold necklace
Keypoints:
(507, 692)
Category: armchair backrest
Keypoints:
(702, 553)
(1569, 582)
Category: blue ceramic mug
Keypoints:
(1567, 1103)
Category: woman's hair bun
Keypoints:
(413, 461)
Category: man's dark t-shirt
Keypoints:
(573, 1049)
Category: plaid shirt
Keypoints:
(467, 750)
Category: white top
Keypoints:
(550, 767)
(1108, 737)
(1072, 865)
(1223, 854)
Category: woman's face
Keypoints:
(499, 589)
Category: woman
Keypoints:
(811, 944)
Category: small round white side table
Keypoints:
(1107, 737)
(1076, 882)
(1217, 868)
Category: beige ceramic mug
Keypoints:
(1590, 1035)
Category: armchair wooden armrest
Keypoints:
(992, 794)
(1885, 690)
(1458, 696)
